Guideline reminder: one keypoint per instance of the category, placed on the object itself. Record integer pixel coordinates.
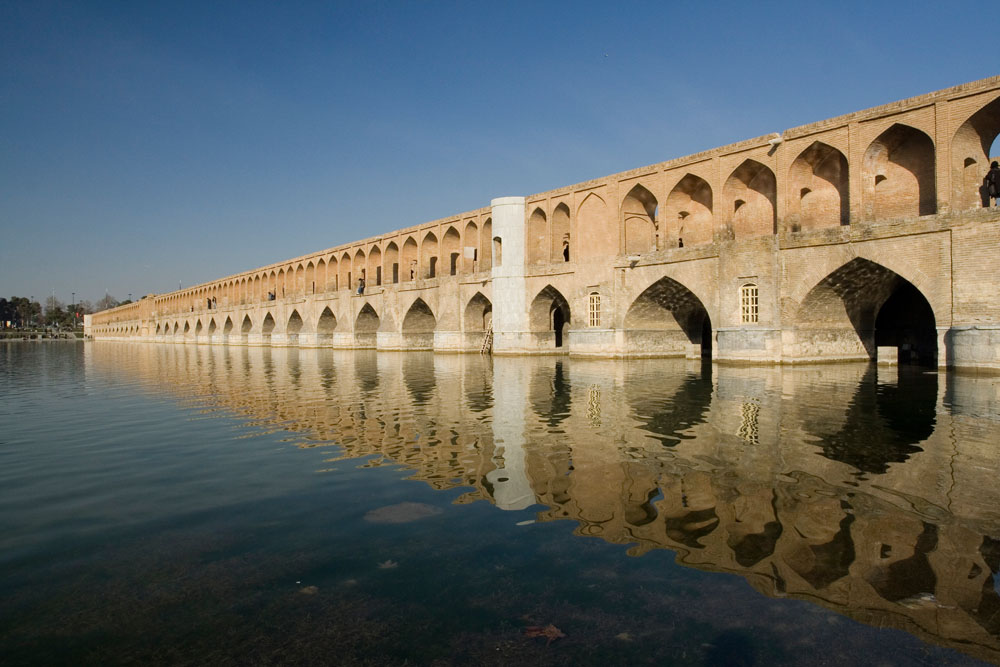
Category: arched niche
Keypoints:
(898, 175)
(470, 239)
(970, 157)
(639, 220)
(818, 194)
(429, 256)
(451, 251)
(687, 212)
(409, 267)
(751, 194)
(560, 251)
(536, 238)
(391, 263)
(596, 231)
(373, 276)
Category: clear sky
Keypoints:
(148, 144)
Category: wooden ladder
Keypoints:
(487, 342)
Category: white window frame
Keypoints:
(749, 304)
(594, 309)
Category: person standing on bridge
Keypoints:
(993, 182)
(361, 286)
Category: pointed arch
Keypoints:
(391, 263)
(596, 231)
(299, 286)
(246, 326)
(478, 316)
(418, 326)
(898, 175)
(549, 318)
(326, 324)
(373, 277)
(294, 324)
(451, 251)
(639, 220)
(309, 281)
(359, 268)
(211, 327)
(345, 271)
(751, 193)
(861, 306)
(667, 319)
(198, 327)
(688, 214)
(267, 326)
(428, 256)
(560, 250)
(366, 327)
(409, 267)
(486, 245)
(332, 274)
(227, 327)
(970, 157)
(536, 238)
(321, 275)
(470, 239)
(818, 189)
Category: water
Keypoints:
(204, 505)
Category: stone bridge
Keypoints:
(864, 236)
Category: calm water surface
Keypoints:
(204, 505)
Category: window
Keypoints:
(594, 310)
(748, 303)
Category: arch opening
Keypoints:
(326, 325)
(366, 327)
(549, 319)
(418, 327)
(293, 326)
(668, 320)
(861, 307)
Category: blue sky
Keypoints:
(148, 144)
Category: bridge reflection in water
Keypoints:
(869, 491)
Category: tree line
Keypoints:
(19, 312)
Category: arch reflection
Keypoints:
(760, 475)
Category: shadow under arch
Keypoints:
(667, 320)
(666, 407)
(884, 422)
(326, 325)
(418, 327)
(366, 327)
(549, 318)
(862, 306)
(293, 326)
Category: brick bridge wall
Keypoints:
(862, 236)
